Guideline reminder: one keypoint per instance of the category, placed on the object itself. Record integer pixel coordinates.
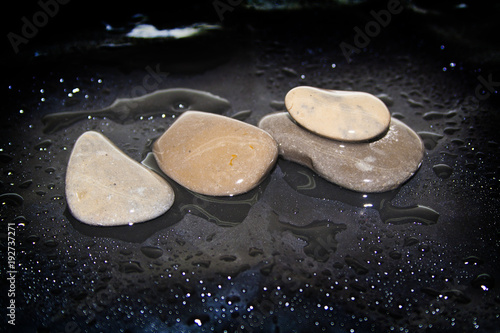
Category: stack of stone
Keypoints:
(347, 137)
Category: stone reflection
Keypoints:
(308, 183)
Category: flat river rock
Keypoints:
(215, 155)
(105, 187)
(376, 166)
(341, 115)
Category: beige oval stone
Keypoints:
(105, 187)
(215, 155)
(376, 166)
(338, 115)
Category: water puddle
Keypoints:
(126, 110)
(319, 236)
(308, 183)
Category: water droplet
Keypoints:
(277, 105)
(12, 199)
(398, 115)
(412, 214)
(356, 265)
(50, 170)
(43, 145)
(483, 281)
(388, 101)
(442, 170)
(242, 115)
(472, 260)
(451, 130)
(414, 104)
(424, 247)
(32, 239)
(21, 221)
(227, 257)
(152, 252)
(319, 235)
(26, 184)
(130, 267)
(51, 243)
(432, 115)
(430, 139)
(253, 251)
(395, 255)
(409, 241)
(201, 263)
(126, 252)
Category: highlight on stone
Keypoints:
(105, 187)
(377, 166)
(215, 155)
(340, 115)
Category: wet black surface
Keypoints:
(295, 254)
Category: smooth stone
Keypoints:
(376, 166)
(339, 115)
(105, 187)
(215, 155)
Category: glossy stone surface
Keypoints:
(215, 155)
(105, 187)
(340, 115)
(376, 166)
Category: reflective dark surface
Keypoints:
(297, 254)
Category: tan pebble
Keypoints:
(339, 115)
(215, 155)
(376, 166)
(105, 187)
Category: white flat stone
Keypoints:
(215, 155)
(376, 166)
(339, 115)
(105, 187)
